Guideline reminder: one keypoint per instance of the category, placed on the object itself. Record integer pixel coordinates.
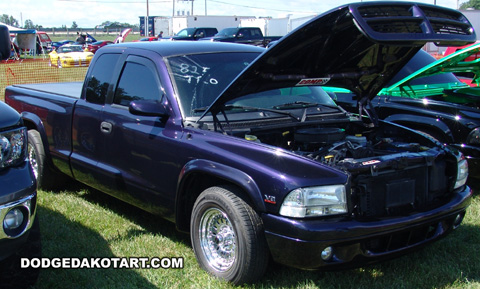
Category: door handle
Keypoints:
(106, 127)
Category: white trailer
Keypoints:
(163, 24)
(219, 22)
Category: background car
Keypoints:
(57, 44)
(151, 38)
(70, 56)
(93, 47)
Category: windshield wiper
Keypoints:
(230, 106)
(296, 104)
(302, 104)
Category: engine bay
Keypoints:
(343, 145)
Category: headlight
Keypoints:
(12, 147)
(315, 201)
(462, 173)
(474, 136)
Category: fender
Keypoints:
(32, 121)
(414, 121)
(233, 175)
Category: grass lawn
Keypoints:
(80, 222)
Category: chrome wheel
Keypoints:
(217, 239)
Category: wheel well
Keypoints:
(30, 125)
(191, 188)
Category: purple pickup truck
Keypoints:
(241, 147)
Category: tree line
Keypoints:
(470, 4)
(10, 20)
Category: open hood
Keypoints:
(358, 46)
(453, 63)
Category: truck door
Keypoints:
(140, 148)
(87, 138)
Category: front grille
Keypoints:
(400, 192)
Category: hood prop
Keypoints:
(365, 105)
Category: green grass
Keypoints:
(81, 222)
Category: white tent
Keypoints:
(25, 39)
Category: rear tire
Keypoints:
(46, 177)
(228, 236)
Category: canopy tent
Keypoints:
(25, 39)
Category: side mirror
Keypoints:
(5, 44)
(148, 108)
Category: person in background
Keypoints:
(119, 39)
(160, 35)
(80, 39)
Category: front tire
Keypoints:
(46, 177)
(59, 63)
(228, 236)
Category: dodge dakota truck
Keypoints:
(20, 231)
(241, 147)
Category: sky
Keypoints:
(89, 13)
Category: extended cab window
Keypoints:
(137, 82)
(100, 77)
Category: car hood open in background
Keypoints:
(359, 47)
(458, 62)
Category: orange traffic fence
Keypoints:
(36, 71)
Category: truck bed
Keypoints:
(70, 89)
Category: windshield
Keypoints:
(73, 48)
(201, 78)
(228, 32)
(285, 98)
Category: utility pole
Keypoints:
(147, 31)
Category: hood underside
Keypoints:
(359, 47)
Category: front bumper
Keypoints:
(18, 191)
(299, 243)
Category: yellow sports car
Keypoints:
(70, 56)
